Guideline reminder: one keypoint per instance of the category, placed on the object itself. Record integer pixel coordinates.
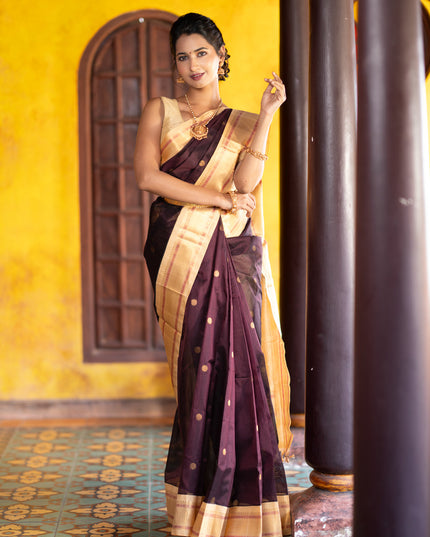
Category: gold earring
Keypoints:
(221, 71)
(179, 79)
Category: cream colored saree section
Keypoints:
(194, 228)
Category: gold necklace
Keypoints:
(199, 131)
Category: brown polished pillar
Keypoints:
(294, 52)
(392, 380)
(330, 273)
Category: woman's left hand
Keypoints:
(273, 96)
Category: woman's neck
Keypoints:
(205, 98)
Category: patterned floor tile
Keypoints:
(90, 482)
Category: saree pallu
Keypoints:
(214, 299)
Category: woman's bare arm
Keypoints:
(250, 170)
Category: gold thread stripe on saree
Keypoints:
(194, 517)
(178, 270)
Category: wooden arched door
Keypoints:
(126, 63)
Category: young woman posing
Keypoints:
(214, 296)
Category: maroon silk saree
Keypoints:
(214, 301)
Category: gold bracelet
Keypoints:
(256, 154)
(233, 197)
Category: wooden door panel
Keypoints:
(129, 46)
(160, 64)
(105, 143)
(129, 134)
(104, 106)
(109, 325)
(105, 60)
(107, 236)
(159, 55)
(135, 281)
(106, 188)
(131, 105)
(108, 276)
(129, 64)
(134, 235)
(136, 326)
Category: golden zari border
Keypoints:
(272, 344)
(190, 516)
(278, 376)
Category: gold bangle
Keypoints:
(233, 196)
(256, 154)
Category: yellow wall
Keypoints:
(40, 314)
(40, 297)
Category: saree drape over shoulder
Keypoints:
(216, 306)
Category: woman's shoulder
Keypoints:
(160, 103)
(169, 103)
(161, 108)
(165, 99)
(153, 107)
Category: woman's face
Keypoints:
(197, 60)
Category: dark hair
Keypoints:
(194, 23)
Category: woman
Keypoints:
(214, 296)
